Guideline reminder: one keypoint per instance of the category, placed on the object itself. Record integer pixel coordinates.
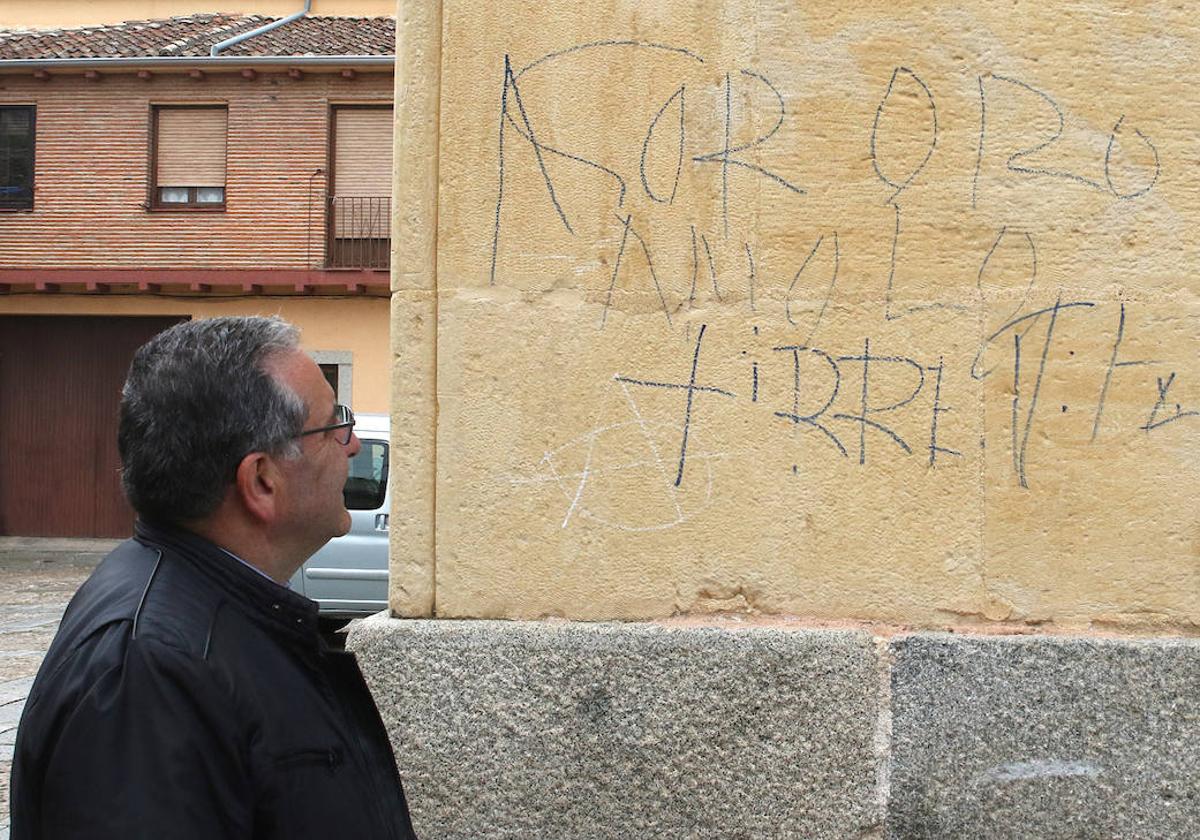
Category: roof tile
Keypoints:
(194, 35)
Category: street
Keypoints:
(37, 579)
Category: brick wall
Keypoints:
(92, 168)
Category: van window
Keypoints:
(366, 483)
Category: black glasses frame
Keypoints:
(345, 421)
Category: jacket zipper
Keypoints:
(331, 758)
(363, 753)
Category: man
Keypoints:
(188, 692)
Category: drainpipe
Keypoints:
(237, 39)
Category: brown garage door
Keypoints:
(60, 386)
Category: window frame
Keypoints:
(344, 359)
(153, 202)
(32, 109)
(331, 139)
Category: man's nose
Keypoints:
(354, 446)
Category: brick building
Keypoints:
(153, 171)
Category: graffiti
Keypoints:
(1154, 422)
(1054, 137)
(925, 96)
(850, 406)
(881, 400)
(901, 143)
(624, 462)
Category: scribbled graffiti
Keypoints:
(880, 399)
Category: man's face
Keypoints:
(315, 510)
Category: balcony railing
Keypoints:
(359, 232)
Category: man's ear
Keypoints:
(257, 485)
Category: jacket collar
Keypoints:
(277, 605)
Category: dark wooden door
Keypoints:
(60, 388)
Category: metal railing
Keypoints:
(359, 232)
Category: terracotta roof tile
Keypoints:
(324, 36)
(192, 36)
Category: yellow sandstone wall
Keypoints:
(879, 311)
(357, 326)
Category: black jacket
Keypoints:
(187, 696)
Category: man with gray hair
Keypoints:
(188, 693)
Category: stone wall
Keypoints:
(879, 315)
(577, 731)
(883, 311)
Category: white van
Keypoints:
(349, 576)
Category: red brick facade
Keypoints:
(93, 159)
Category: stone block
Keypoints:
(1044, 737)
(555, 730)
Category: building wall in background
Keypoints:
(93, 159)
(875, 312)
(358, 326)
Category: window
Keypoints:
(337, 366)
(330, 372)
(366, 481)
(360, 201)
(16, 157)
(189, 156)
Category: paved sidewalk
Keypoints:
(37, 579)
(37, 549)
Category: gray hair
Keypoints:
(197, 400)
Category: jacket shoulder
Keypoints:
(178, 607)
(110, 596)
(155, 594)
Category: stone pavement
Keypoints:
(37, 579)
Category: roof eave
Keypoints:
(186, 62)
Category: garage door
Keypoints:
(60, 387)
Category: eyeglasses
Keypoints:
(344, 425)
